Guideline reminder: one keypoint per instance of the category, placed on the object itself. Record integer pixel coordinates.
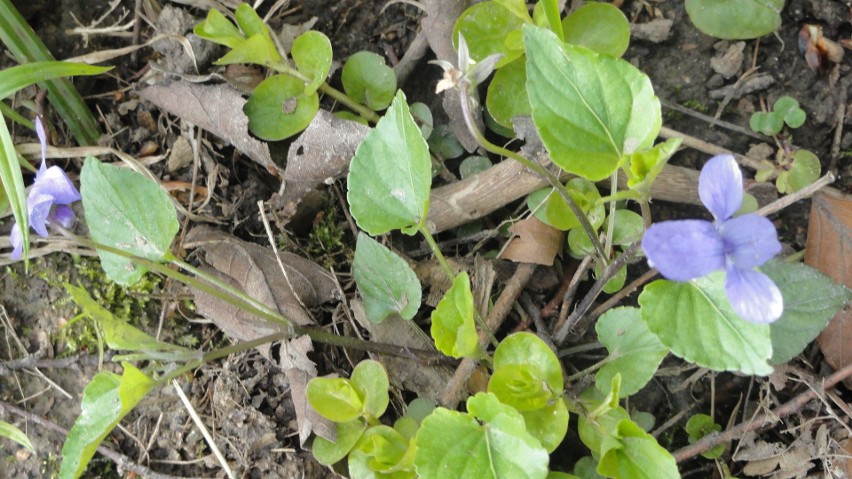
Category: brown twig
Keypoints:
(623, 293)
(712, 440)
(450, 395)
(122, 461)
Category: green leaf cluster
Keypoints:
(786, 110)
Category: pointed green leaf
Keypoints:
(128, 211)
(218, 29)
(13, 433)
(106, 400)
(735, 19)
(249, 21)
(370, 379)
(811, 299)
(695, 320)
(382, 452)
(558, 214)
(368, 80)
(257, 49)
(646, 165)
(13, 182)
(633, 350)
(590, 109)
(386, 282)
(453, 328)
(598, 26)
(278, 108)
(457, 445)
(312, 54)
(391, 174)
(348, 434)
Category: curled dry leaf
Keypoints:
(318, 156)
(255, 270)
(828, 250)
(215, 108)
(535, 243)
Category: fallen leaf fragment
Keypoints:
(215, 108)
(829, 249)
(535, 243)
(255, 270)
(318, 156)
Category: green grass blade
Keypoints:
(20, 76)
(13, 183)
(27, 47)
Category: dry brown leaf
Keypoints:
(847, 453)
(255, 270)
(405, 373)
(535, 243)
(318, 156)
(215, 108)
(829, 249)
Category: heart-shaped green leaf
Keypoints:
(601, 27)
(368, 80)
(695, 320)
(527, 349)
(370, 379)
(391, 174)
(128, 211)
(590, 109)
(386, 282)
(335, 399)
(633, 350)
(486, 27)
(549, 424)
(507, 96)
(348, 434)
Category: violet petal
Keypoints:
(42, 137)
(63, 215)
(750, 240)
(684, 249)
(720, 186)
(54, 182)
(17, 240)
(38, 209)
(753, 296)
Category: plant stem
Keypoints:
(554, 182)
(338, 95)
(433, 245)
(589, 370)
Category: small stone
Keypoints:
(729, 63)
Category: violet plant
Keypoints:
(683, 250)
(48, 200)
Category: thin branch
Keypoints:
(797, 403)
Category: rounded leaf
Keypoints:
(473, 165)
(527, 349)
(370, 379)
(735, 19)
(312, 54)
(485, 27)
(348, 434)
(549, 424)
(278, 108)
(368, 80)
(601, 27)
(519, 386)
(768, 123)
(507, 97)
(628, 228)
(335, 399)
(803, 171)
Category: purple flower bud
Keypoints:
(47, 200)
(688, 249)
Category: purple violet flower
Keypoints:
(48, 199)
(687, 249)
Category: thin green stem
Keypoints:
(589, 370)
(613, 191)
(326, 89)
(433, 245)
(554, 182)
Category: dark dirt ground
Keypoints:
(244, 398)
